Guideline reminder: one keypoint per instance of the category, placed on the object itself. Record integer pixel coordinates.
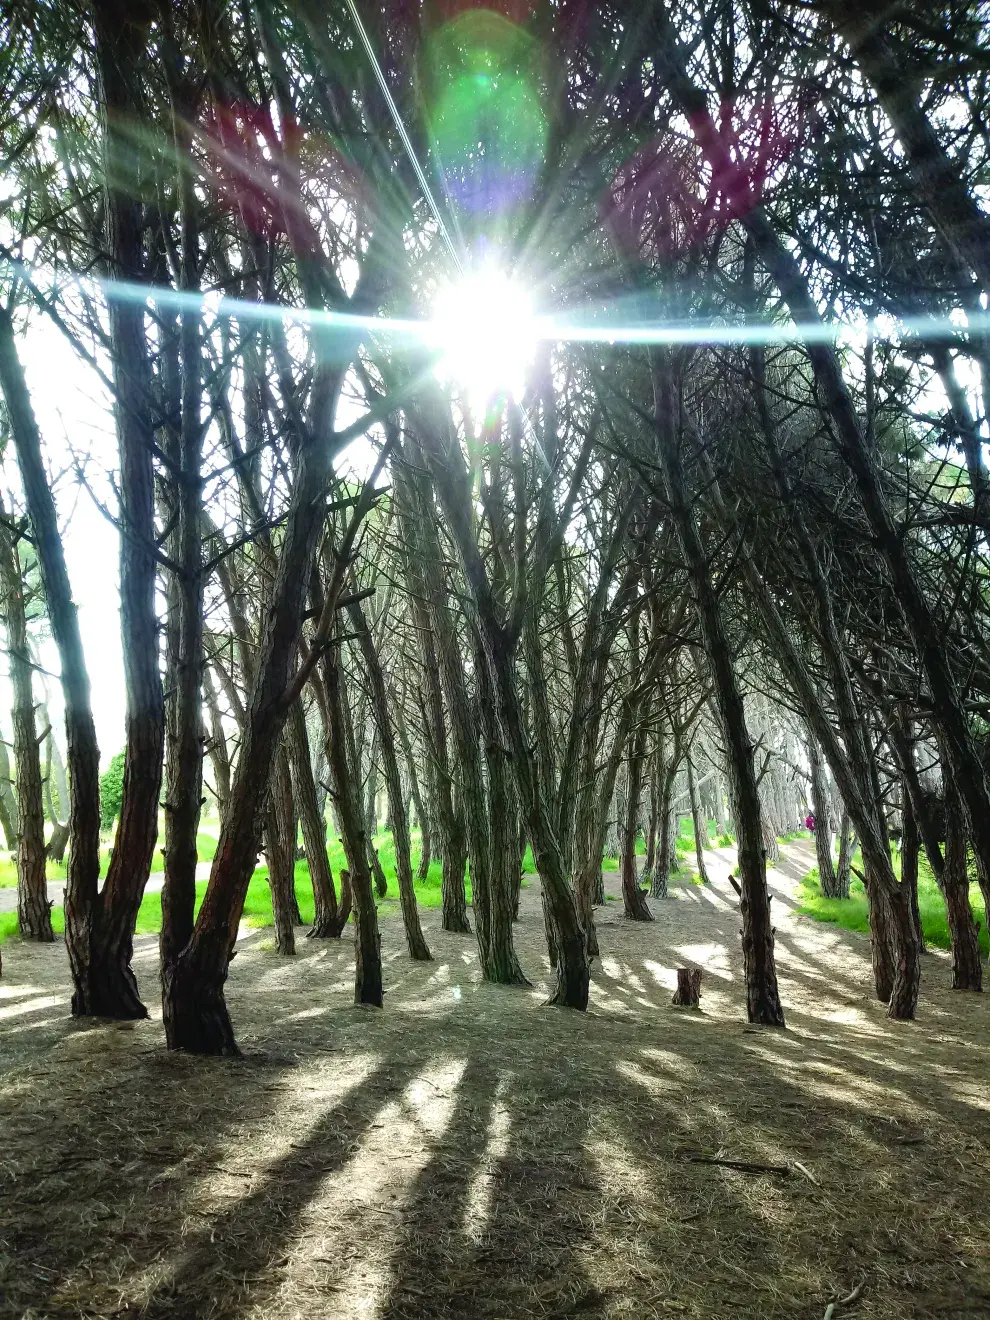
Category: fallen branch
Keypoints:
(741, 1166)
(848, 1300)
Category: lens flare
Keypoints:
(485, 329)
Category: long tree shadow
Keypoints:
(235, 1260)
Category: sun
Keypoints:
(486, 331)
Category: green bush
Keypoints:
(111, 791)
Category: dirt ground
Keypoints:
(471, 1153)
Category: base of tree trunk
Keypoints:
(573, 976)
(34, 917)
(688, 992)
(456, 922)
(109, 990)
(58, 842)
(194, 1013)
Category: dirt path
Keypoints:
(471, 1154)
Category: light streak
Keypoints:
(562, 328)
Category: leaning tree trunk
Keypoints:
(847, 845)
(763, 999)
(415, 940)
(34, 913)
(634, 902)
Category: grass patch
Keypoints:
(852, 913)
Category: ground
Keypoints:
(470, 1153)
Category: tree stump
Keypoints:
(688, 993)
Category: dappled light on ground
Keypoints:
(471, 1153)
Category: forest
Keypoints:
(544, 866)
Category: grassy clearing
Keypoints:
(852, 913)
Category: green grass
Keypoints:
(852, 913)
(258, 904)
(206, 846)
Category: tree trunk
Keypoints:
(634, 902)
(367, 940)
(847, 846)
(821, 806)
(661, 871)
(698, 822)
(280, 851)
(196, 1016)
(329, 919)
(967, 971)
(450, 475)
(83, 753)
(910, 853)
(652, 828)
(183, 507)
(763, 1000)
(422, 813)
(415, 940)
(34, 913)
(120, 50)
(8, 799)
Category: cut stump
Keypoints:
(688, 992)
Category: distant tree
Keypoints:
(111, 791)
